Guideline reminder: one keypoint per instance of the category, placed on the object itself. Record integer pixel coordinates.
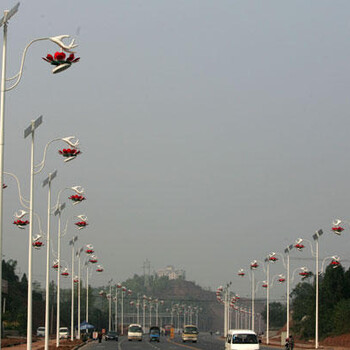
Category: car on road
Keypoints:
(154, 334)
(64, 332)
(242, 339)
(111, 336)
(190, 333)
(40, 332)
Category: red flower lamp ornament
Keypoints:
(124, 289)
(264, 285)
(254, 265)
(37, 242)
(101, 293)
(93, 259)
(69, 153)
(99, 268)
(337, 229)
(65, 272)
(335, 262)
(82, 223)
(281, 279)
(21, 223)
(129, 291)
(272, 257)
(131, 303)
(76, 279)
(55, 265)
(304, 272)
(60, 61)
(89, 249)
(299, 244)
(119, 285)
(241, 273)
(76, 198)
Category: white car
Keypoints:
(40, 332)
(64, 332)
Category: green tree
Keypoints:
(278, 314)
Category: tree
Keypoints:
(278, 315)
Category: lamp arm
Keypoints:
(39, 223)
(18, 76)
(24, 202)
(42, 163)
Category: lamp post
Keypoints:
(79, 287)
(71, 242)
(58, 212)
(110, 305)
(119, 286)
(315, 237)
(47, 181)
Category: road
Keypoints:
(205, 342)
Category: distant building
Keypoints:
(172, 273)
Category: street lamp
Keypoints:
(59, 41)
(58, 211)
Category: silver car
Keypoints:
(40, 332)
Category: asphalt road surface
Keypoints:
(205, 342)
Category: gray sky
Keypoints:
(212, 132)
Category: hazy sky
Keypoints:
(212, 132)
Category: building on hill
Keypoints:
(171, 273)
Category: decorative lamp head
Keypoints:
(109, 296)
(76, 198)
(21, 223)
(37, 242)
(65, 272)
(81, 224)
(131, 303)
(281, 279)
(336, 228)
(89, 249)
(4, 186)
(119, 285)
(129, 291)
(101, 293)
(59, 59)
(220, 288)
(304, 272)
(55, 264)
(335, 261)
(272, 257)
(69, 153)
(76, 279)
(93, 259)
(124, 289)
(299, 244)
(254, 265)
(241, 273)
(264, 285)
(99, 268)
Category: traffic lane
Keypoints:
(206, 341)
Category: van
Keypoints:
(64, 332)
(135, 332)
(190, 333)
(242, 339)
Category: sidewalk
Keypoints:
(40, 344)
